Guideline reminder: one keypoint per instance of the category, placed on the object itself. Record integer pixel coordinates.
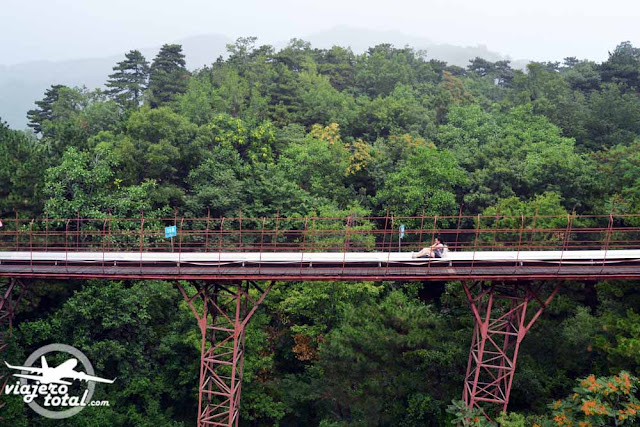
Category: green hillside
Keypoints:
(302, 131)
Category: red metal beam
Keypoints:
(502, 316)
(308, 277)
(222, 317)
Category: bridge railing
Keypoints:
(323, 234)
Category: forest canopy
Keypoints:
(303, 131)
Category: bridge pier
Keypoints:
(10, 296)
(502, 316)
(222, 317)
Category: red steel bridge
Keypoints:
(510, 267)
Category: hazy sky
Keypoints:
(536, 30)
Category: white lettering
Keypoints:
(84, 398)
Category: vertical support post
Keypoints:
(502, 316)
(455, 247)
(494, 244)
(109, 238)
(390, 245)
(608, 238)
(46, 232)
(275, 234)
(141, 237)
(421, 227)
(533, 228)
(223, 316)
(240, 229)
(475, 242)
(520, 237)
(264, 221)
(10, 296)
(17, 231)
(433, 238)
(304, 241)
(31, 245)
(384, 235)
(206, 233)
(78, 230)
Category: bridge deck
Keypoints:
(503, 265)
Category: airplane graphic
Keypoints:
(51, 375)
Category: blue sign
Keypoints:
(171, 231)
(402, 231)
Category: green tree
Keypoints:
(283, 94)
(518, 154)
(481, 66)
(614, 117)
(549, 93)
(202, 99)
(623, 66)
(271, 191)
(44, 112)
(168, 76)
(164, 144)
(403, 111)
(216, 184)
(322, 103)
(85, 185)
(387, 356)
(381, 68)
(75, 115)
(619, 169)
(135, 332)
(545, 211)
(338, 65)
(319, 163)
(129, 80)
(618, 339)
(581, 75)
(23, 161)
(450, 92)
(426, 182)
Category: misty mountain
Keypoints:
(361, 39)
(23, 84)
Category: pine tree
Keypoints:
(129, 80)
(168, 77)
(44, 111)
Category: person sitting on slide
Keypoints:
(433, 251)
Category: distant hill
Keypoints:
(361, 39)
(23, 84)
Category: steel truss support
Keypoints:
(502, 316)
(222, 314)
(10, 295)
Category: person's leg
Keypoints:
(424, 252)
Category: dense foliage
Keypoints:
(303, 131)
